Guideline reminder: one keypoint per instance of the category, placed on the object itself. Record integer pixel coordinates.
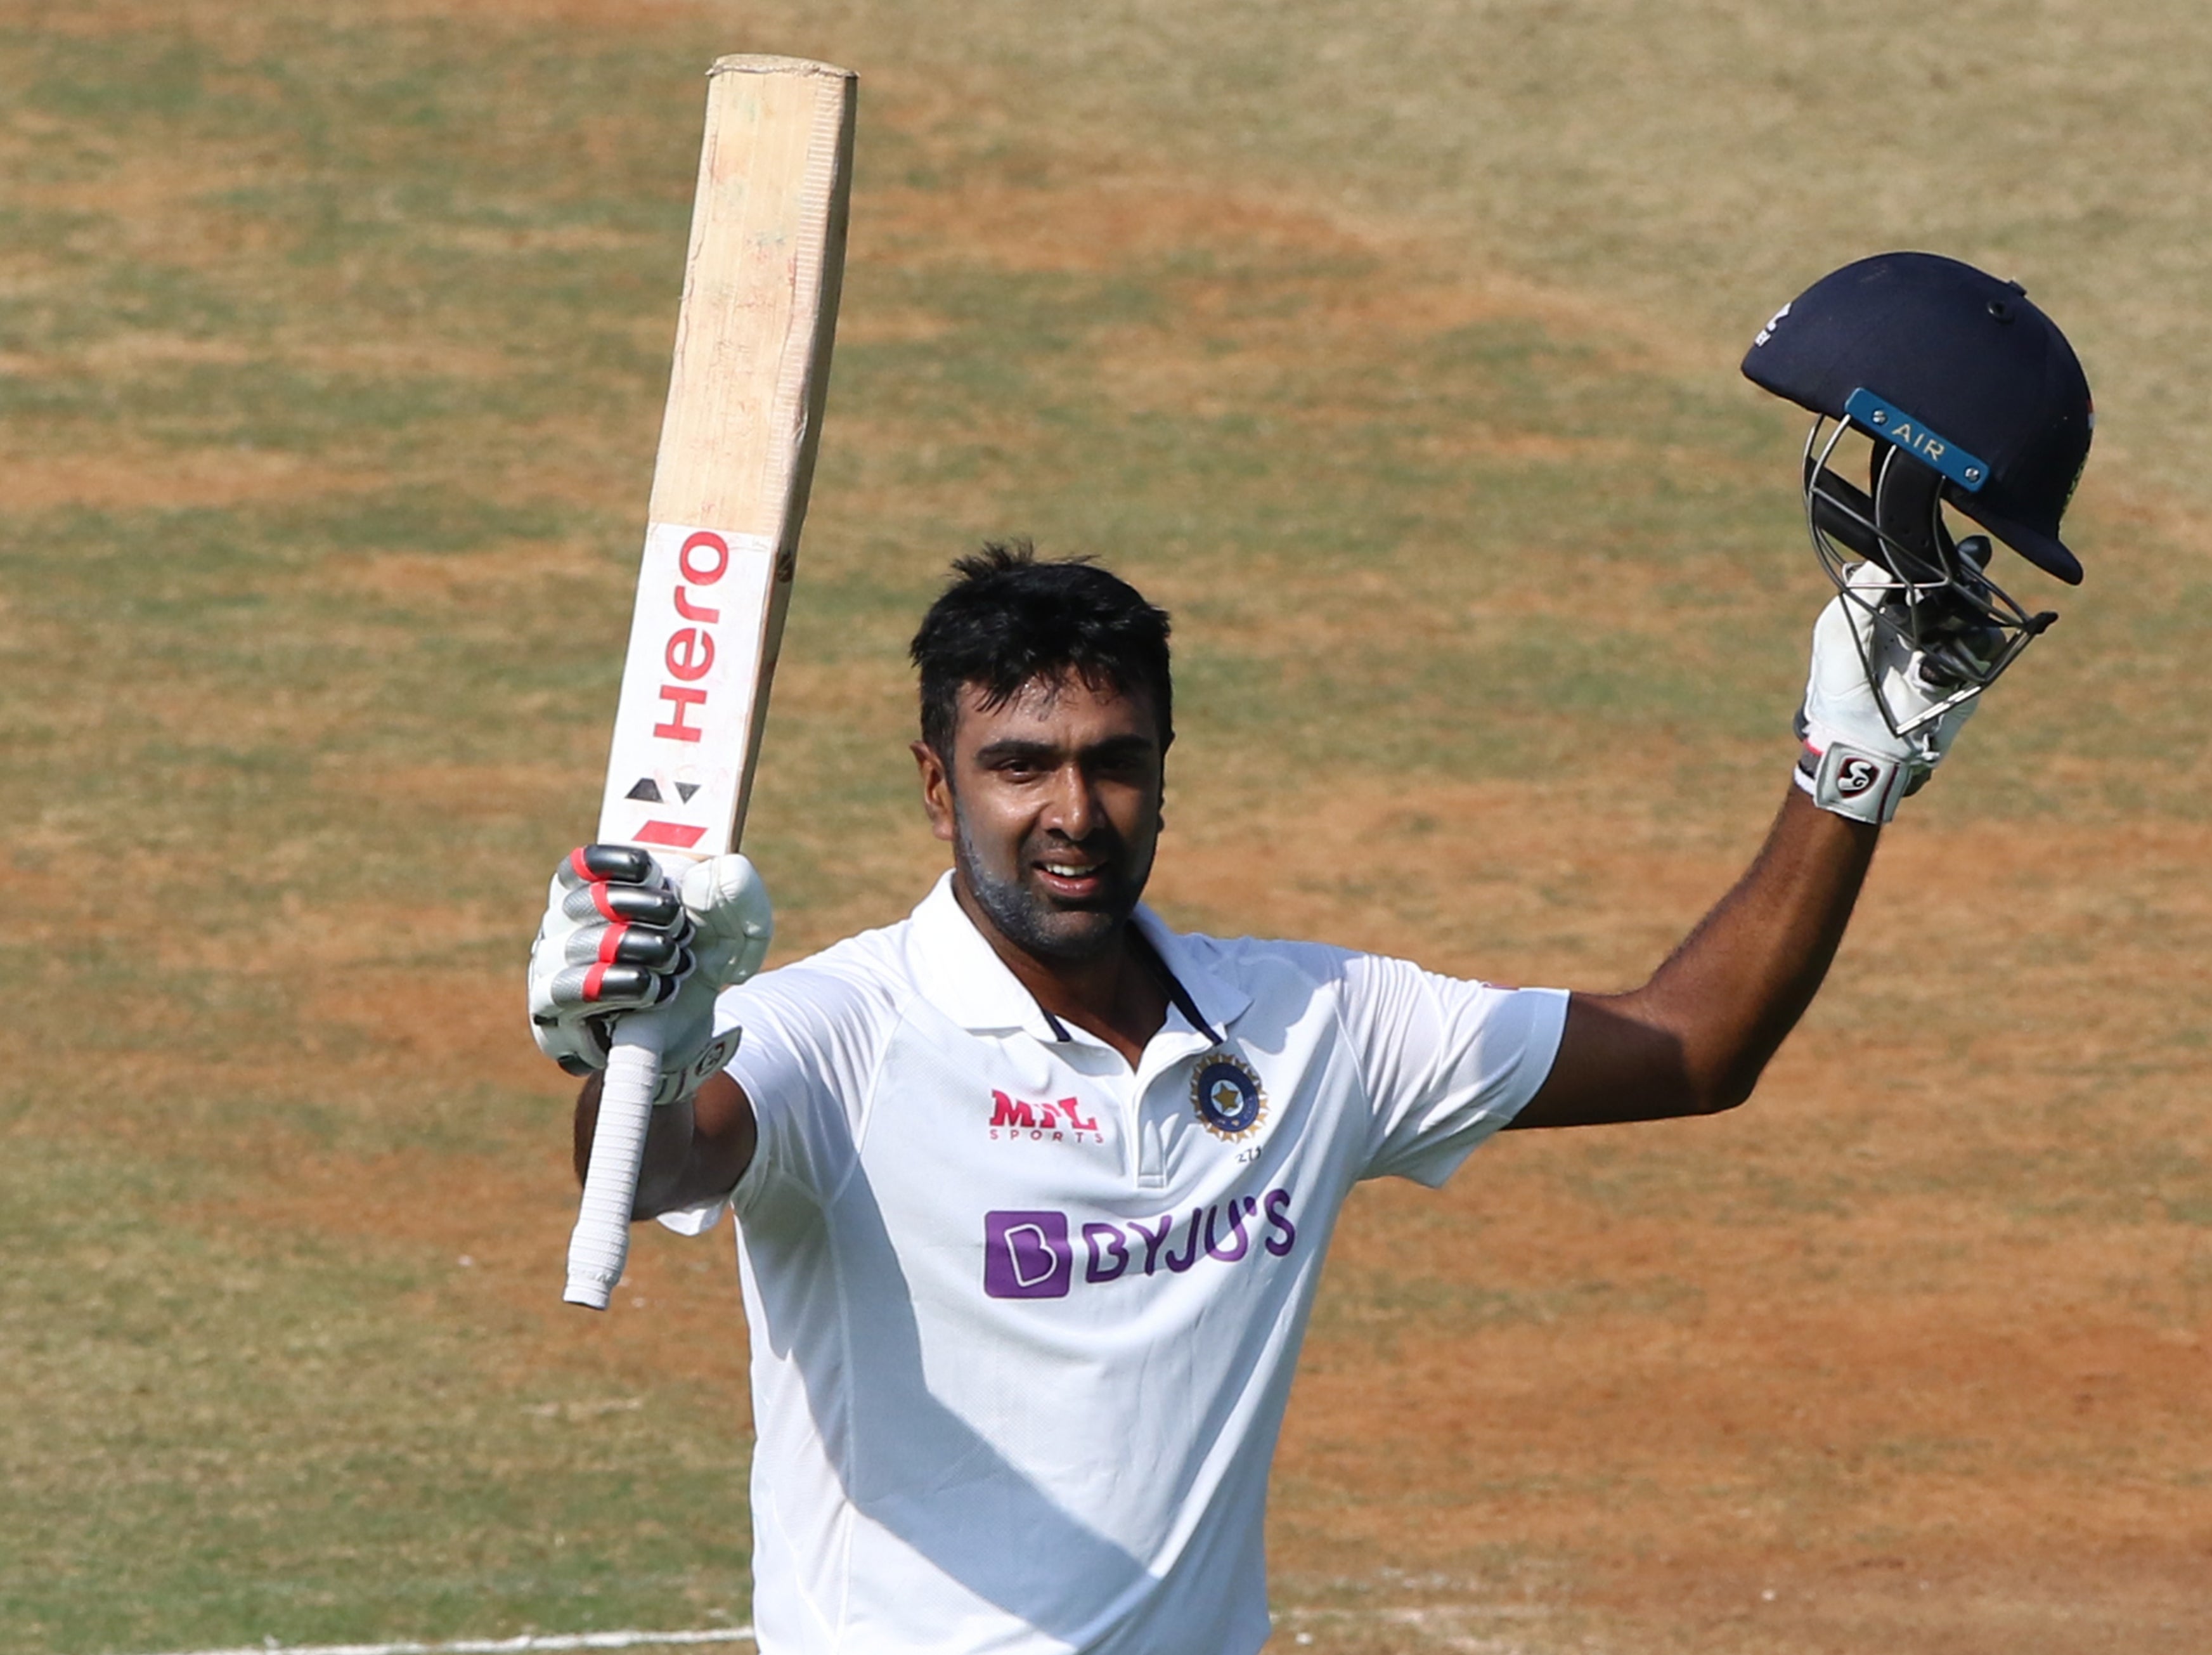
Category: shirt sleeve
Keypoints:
(806, 1059)
(1447, 1061)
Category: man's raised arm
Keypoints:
(1967, 396)
(1693, 1039)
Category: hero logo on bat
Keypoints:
(688, 686)
(687, 658)
(688, 654)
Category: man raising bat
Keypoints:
(1033, 1192)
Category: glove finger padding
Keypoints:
(1854, 764)
(620, 935)
(616, 937)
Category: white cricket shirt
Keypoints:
(1023, 1321)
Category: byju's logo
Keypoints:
(1026, 1256)
(1058, 1122)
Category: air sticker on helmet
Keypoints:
(1894, 425)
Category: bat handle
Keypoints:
(599, 1245)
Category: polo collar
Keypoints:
(1218, 1001)
(962, 975)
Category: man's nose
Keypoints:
(1074, 808)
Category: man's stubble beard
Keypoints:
(1025, 918)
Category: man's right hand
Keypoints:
(618, 936)
(615, 939)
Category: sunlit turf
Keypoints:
(331, 350)
(263, 1431)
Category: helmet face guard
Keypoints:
(1962, 629)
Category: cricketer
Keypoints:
(1032, 1192)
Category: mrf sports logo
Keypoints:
(690, 680)
(1061, 1121)
(1033, 1254)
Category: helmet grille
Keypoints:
(1962, 629)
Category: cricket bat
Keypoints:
(721, 540)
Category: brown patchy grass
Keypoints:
(1916, 1418)
(215, 477)
(1916, 1344)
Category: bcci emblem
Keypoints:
(1226, 1094)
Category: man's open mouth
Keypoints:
(1067, 877)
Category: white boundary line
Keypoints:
(499, 1646)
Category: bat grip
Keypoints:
(599, 1245)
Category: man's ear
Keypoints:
(936, 790)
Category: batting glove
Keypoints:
(618, 936)
(1854, 764)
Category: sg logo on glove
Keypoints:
(1854, 776)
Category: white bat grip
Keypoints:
(599, 1245)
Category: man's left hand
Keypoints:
(1854, 764)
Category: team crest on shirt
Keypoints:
(1225, 1092)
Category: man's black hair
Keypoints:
(1009, 618)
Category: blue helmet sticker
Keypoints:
(1893, 425)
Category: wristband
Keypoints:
(1854, 783)
(679, 1083)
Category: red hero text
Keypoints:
(688, 654)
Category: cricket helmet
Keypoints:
(1969, 396)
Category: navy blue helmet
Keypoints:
(1957, 368)
(1968, 396)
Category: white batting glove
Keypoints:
(617, 936)
(1854, 764)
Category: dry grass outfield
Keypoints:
(1393, 346)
